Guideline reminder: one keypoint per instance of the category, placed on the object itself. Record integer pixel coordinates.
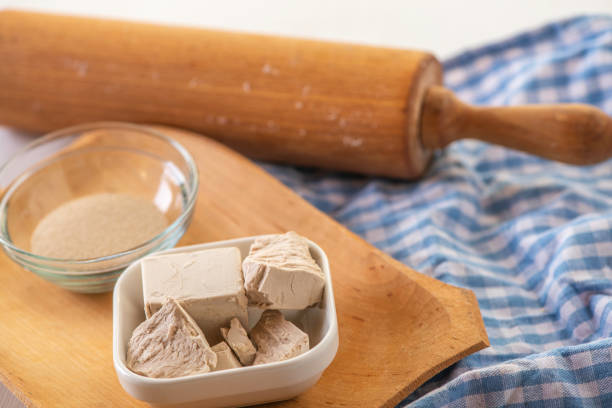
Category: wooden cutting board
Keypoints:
(397, 327)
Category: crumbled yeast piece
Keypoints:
(280, 273)
(237, 338)
(169, 344)
(277, 339)
(225, 358)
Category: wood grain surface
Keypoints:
(341, 106)
(397, 327)
(571, 133)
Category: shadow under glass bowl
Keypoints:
(106, 157)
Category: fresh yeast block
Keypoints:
(208, 284)
(225, 358)
(280, 273)
(277, 339)
(169, 344)
(238, 340)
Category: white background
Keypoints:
(443, 27)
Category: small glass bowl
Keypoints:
(104, 157)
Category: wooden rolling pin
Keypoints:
(347, 107)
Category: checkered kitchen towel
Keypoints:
(532, 238)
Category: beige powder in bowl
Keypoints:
(97, 225)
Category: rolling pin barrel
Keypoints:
(346, 107)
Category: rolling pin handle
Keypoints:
(572, 133)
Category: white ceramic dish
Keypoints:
(235, 387)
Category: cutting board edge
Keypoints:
(6, 381)
(475, 340)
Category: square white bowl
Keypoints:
(238, 386)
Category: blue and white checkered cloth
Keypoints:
(532, 238)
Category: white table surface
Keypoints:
(440, 26)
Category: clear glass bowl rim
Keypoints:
(192, 181)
